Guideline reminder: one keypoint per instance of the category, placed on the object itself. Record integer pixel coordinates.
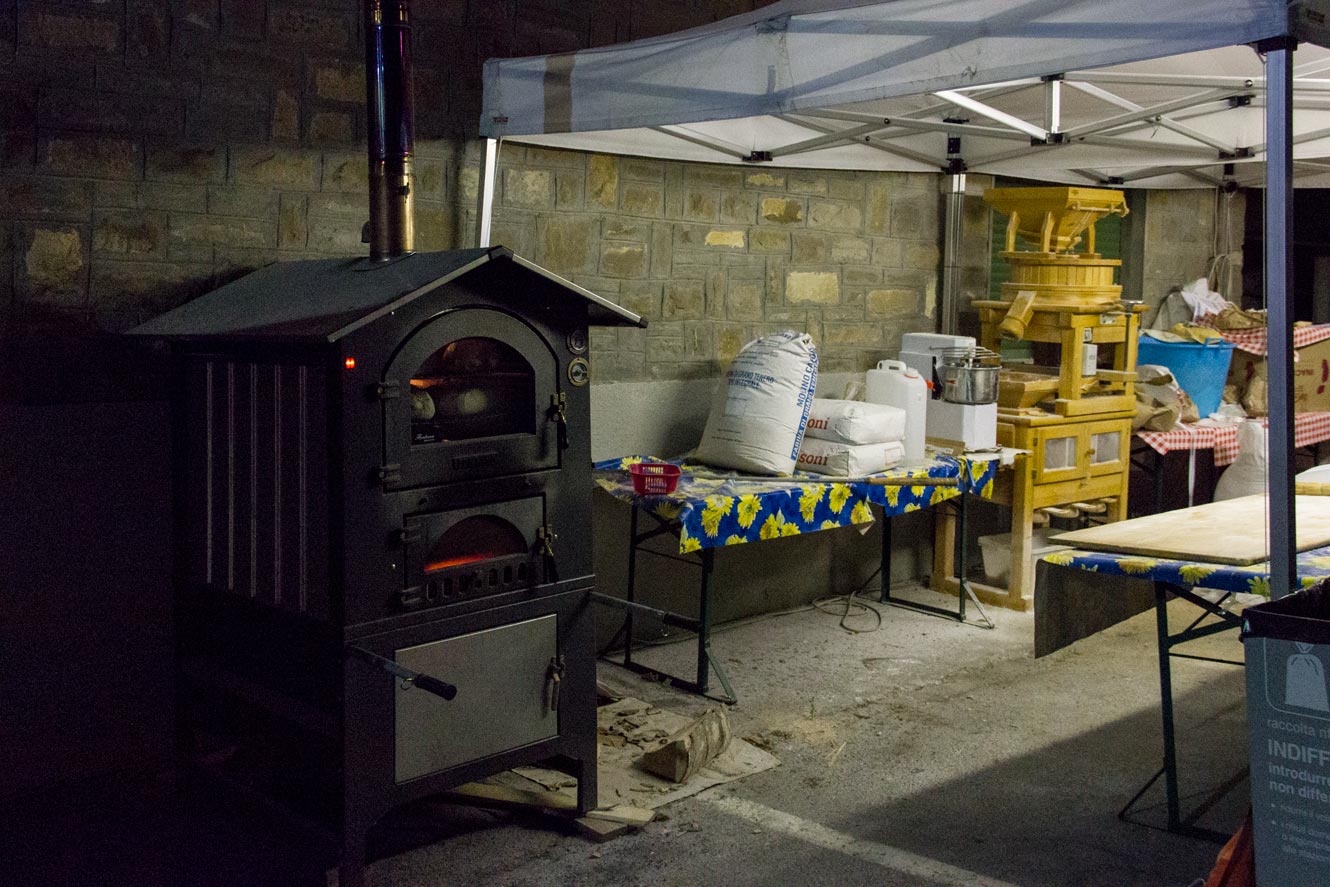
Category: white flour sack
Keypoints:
(844, 460)
(855, 422)
(760, 407)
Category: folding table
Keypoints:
(1309, 429)
(1180, 578)
(711, 510)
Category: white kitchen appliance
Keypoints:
(920, 351)
(974, 425)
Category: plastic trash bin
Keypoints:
(1201, 370)
(1288, 721)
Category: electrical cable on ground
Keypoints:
(853, 607)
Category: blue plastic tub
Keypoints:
(1200, 369)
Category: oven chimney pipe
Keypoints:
(391, 123)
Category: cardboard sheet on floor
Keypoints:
(629, 728)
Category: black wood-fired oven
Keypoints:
(383, 503)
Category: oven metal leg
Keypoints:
(588, 794)
(351, 866)
(631, 589)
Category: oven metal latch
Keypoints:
(546, 537)
(559, 414)
(390, 473)
(388, 390)
(554, 682)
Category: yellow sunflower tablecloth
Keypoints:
(1313, 566)
(715, 508)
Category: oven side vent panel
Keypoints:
(258, 482)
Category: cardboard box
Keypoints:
(1311, 379)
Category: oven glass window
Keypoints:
(470, 388)
(475, 539)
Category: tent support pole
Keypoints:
(953, 219)
(489, 171)
(1279, 302)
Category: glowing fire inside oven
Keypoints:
(475, 539)
(462, 561)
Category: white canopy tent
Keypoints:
(1135, 93)
(838, 84)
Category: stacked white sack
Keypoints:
(847, 460)
(760, 408)
(854, 422)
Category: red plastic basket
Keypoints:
(654, 478)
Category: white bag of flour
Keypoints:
(1246, 476)
(847, 460)
(761, 406)
(855, 422)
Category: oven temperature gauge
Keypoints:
(577, 341)
(579, 371)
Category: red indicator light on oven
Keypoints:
(350, 363)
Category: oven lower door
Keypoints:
(507, 696)
(525, 679)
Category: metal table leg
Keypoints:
(630, 590)
(1166, 707)
(1166, 642)
(962, 565)
(962, 561)
(884, 559)
(1159, 481)
(706, 660)
(704, 625)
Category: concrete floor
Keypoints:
(927, 752)
(924, 753)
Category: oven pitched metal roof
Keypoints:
(330, 298)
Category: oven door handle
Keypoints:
(409, 678)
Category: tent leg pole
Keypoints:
(1279, 302)
(954, 219)
(489, 171)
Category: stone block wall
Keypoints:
(1183, 231)
(153, 149)
(716, 255)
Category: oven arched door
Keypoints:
(474, 393)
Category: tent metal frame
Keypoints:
(1279, 94)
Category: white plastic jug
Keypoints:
(897, 385)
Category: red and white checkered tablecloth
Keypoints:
(1308, 429)
(1254, 341)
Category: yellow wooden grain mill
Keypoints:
(1073, 414)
